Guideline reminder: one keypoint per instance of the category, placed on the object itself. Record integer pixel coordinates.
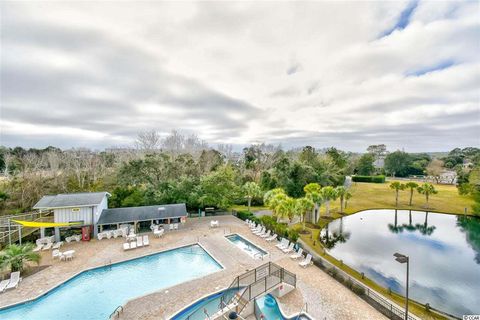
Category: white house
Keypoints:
(84, 208)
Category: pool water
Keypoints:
(96, 293)
(266, 308)
(444, 254)
(246, 246)
(208, 305)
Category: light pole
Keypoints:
(401, 258)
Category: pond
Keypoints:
(444, 254)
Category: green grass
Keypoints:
(379, 196)
(240, 207)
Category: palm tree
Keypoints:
(286, 208)
(273, 197)
(328, 194)
(412, 186)
(304, 205)
(427, 189)
(251, 190)
(15, 256)
(397, 186)
(312, 191)
(342, 194)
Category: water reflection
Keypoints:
(423, 228)
(444, 252)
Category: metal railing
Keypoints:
(12, 231)
(250, 285)
(116, 312)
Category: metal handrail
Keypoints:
(116, 312)
(254, 277)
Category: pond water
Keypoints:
(444, 254)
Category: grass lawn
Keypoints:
(239, 207)
(380, 196)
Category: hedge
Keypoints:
(370, 179)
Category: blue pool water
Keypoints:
(208, 305)
(96, 293)
(247, 246)
(267, 307)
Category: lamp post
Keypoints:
(401, 258)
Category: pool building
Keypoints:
(89, 213)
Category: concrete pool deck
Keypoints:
(326, 298)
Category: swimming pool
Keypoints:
(94, 294)
(267, 306)
(246, 246)
(207, 305)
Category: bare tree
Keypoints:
(435, 169)
(148, 141)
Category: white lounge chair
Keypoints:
(289, 248)
(57, 245)
(126, 246)
(262, 229)
(170, 227)
(14, 280)
(253, 227)
(77, 237)
(3, 285)
(308, 261)
(272, 237)
(133, 245)
(247, 221)
(175, 226)
(297, 254)
(48, 246)
(139, 241)
(262, 232)
(266, 235)
(146, 242)
(283, 243)
(109, 234)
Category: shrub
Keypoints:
(349, 283)
(340, 278)
(333, 271)
(281, 230)
(244, 215)
(293, 235)
(370, 179)
(358, 289)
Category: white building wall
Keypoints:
(99, 209)
(84, 214)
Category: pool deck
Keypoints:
(326, 298)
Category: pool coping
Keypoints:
(254, 244)
(194, 302)
(16, 304)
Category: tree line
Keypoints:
(180, 168)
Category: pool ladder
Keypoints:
(116, 313)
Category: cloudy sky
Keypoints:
(345, 74)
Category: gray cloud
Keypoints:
(81, 78)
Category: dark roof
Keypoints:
(119, 215)
(71, 200)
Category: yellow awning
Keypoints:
(45, 224)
